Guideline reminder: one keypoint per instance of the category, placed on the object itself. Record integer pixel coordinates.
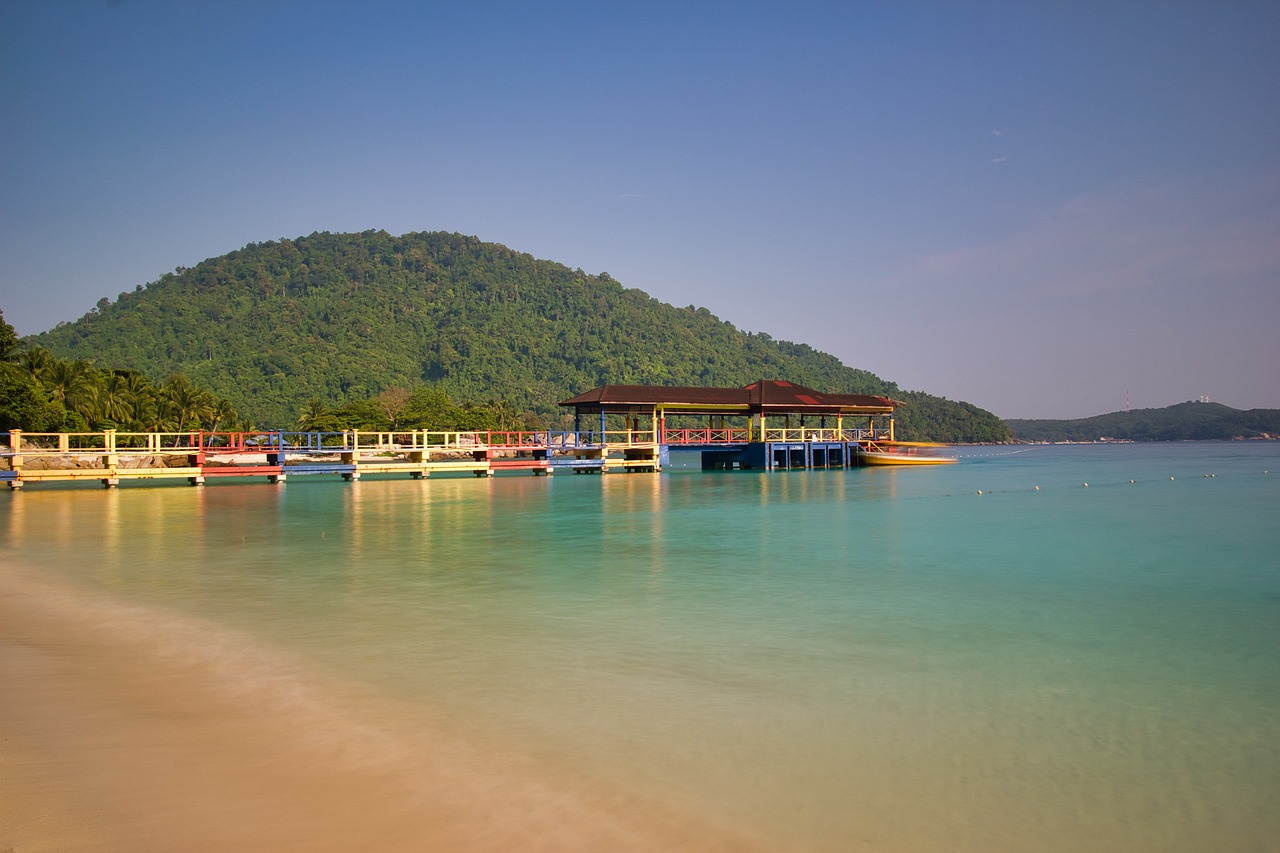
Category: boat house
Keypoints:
(767, 424)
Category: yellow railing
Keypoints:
(107, 441)
(801, 434)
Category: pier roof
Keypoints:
(767, 395)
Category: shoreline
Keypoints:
(125, 728)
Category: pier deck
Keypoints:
(655, 422)
(111, 457)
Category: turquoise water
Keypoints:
(872, 659)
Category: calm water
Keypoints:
(868, 659)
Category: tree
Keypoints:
(315, 417)
(25, 404)
(115, 399)
(8, 340)
(392, 402)
(222, 414)
(37, 361)
(70, 383)
(186, 404)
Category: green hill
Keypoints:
(341, 317)
(1182, 422)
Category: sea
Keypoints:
(1041, 648)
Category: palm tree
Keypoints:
(116, 399)
(222, 414)
(312, 414)
(188, 405)
(37, 361)
(71, 382)
(146, 414)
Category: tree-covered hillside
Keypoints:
(1182, 422)
(340, 317)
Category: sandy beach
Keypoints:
(123, 728)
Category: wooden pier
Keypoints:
(110, 457)
(616, 429)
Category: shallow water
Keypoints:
(869, 659)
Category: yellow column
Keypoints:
(15, 461)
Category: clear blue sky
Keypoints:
(1033, 206)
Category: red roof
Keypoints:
(765, 394)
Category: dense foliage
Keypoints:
(42, 393)
(337, 319)
(1182, 422)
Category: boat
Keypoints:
(901, 453)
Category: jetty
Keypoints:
(769, 425)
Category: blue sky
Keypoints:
(1035, 207)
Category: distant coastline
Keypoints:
(1191, 421)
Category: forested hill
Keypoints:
(1182, 422)
(340, 317)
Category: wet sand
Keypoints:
(124, 728)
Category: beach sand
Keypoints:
(125, 728)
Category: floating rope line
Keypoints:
(1085, 485)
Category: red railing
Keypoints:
(706, 435)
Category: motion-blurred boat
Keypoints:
(902, 453)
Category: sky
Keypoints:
(1048, 209)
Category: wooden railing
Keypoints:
(278, 441)
(362, 441)
(708, 435)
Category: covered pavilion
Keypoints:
(764, 411)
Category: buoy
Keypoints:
(1086, 485)
(979, 491)
(1170, 478)
(1131, 481)
(1037, 488)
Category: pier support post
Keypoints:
(196, 481)
(275, 478)
(110, 482)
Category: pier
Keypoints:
(111, 457)
(767, 425)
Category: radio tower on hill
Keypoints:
(1126, 402)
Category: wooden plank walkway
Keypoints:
(111, 457)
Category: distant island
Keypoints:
(295, 330)
(1191, 421)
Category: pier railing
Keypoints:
(708, 435)
(111, 456)
(283, 441)
(801, 434)
(374, 441)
